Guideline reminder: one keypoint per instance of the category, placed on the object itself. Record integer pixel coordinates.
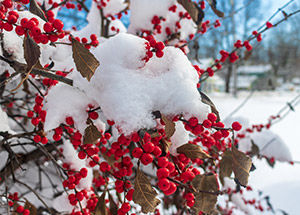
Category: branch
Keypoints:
(12, 166)
(20, 68)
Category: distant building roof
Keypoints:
(254, 69)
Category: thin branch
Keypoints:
(20, 68)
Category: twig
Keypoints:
(20, 68)
(36, 194)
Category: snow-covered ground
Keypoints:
(282, 182)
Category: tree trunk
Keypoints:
(228, 78)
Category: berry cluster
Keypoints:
(153, 46)
(13, 200)
(94, 41)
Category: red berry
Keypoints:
(189, 196)
(164, 184)
(104, 166)
(129, 195)
(125, 207)
(93, 37)
(26, 212)
(162, 162)
(30, 114)
(12, 19)
(148, 147)
(48, 27)
(190, 203)
(171, 189)
(81, 155)
(193, 121)
(159, 53)
(269, 25)
(137, 152)
(35, 121)
(162, 173)
(58, 24)
(56, 137)
(69, 120)
(157, 151)
(83, 172)
(20, 209)
(160, 46)
(212, 117)
(236, 126)
(93, 115)
(44, 140)
(207, 123)
(146, 158)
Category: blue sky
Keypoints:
(269, 7)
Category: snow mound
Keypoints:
(113, 7)
(179, 138)
(128, 90)
(94, 21)
(71, 157)
(269, 144)
(4, 122)
(141, 17)
(58, 109)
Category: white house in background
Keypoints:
(252, 76)
(212, 84)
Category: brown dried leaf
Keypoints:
(144, 194)
(110, 159)
(206, 100)
(254, 149)
(225, 165)
(204, 200)
(85, 61)
(31, 52)
(36, 9)
(241, 166)
(193, 9)
(213, 5)
(2, 86)
(192, 151)
(30, 207)
(166, 145)
(169, 126)
(113, 207)
(91, 134)
(101, 207)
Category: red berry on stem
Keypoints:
(236, 126)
